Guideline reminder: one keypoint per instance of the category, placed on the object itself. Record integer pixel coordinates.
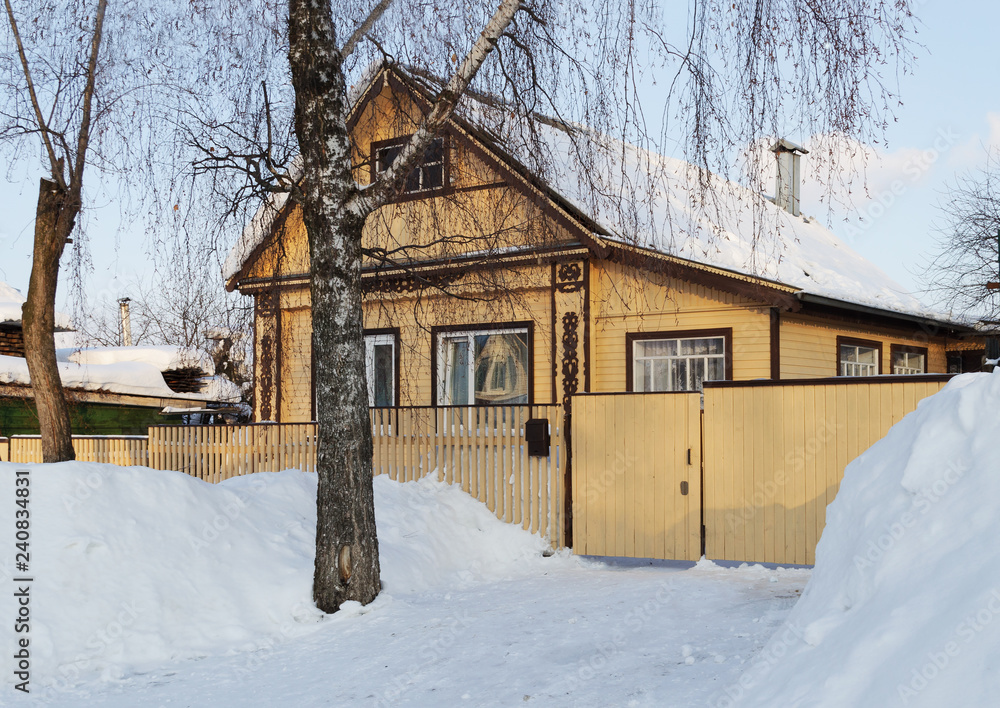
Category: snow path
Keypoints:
(583, 634)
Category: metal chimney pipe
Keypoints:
(125, 321)
(787, 186)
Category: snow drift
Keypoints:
(135, 567)
(903, 607)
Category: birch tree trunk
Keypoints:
(54, 219)
(347, 564)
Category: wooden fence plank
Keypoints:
(811, 432)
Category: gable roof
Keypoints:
(619, 193)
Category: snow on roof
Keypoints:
(164, 358)
(650, 200)
(254, 234)
(11, 300)
(128, 377)
(725, 225)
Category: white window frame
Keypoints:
(372, 341)
(858, 368)
(637, 359)
(381, 166)
(444, 368)
(907, 369)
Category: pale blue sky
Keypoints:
(951, 111)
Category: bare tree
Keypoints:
(964, 274)
(59, 203)
(82, 86)
(334, 211)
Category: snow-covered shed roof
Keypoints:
(10, 308)
(163, 357)
(637, 197)
(126, 377)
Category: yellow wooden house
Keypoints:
(487, 284)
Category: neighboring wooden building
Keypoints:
(504, 289)
(110, 390)
(92, 412)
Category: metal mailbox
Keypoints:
(536, 433)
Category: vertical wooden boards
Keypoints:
(775, 455)
(630, 457)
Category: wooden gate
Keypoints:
(759, 465)
(637, 475)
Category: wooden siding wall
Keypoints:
(492, 218)
(631, 453)
(809, 346)
(775, 455)
(414, 316)
(284, 256)
(115, 450)
(627, 300)
(483, 449)
(295, 387)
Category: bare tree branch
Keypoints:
(42, 123)
(374, 16)
(83, 138)
(968, 256)
(367, 200)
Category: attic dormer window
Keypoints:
(428, 175)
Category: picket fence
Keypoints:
(125, 450)
(482, 449)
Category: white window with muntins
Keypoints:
(680, 364)
(858, 360)
(909, 362)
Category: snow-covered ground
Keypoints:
(156, 589)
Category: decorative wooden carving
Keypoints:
(267, 304)
(401, 286)
(266, 376)
(570, 358)
(569, 271)
(569, 278)
(266, 321)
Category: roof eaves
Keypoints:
(929, 323)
